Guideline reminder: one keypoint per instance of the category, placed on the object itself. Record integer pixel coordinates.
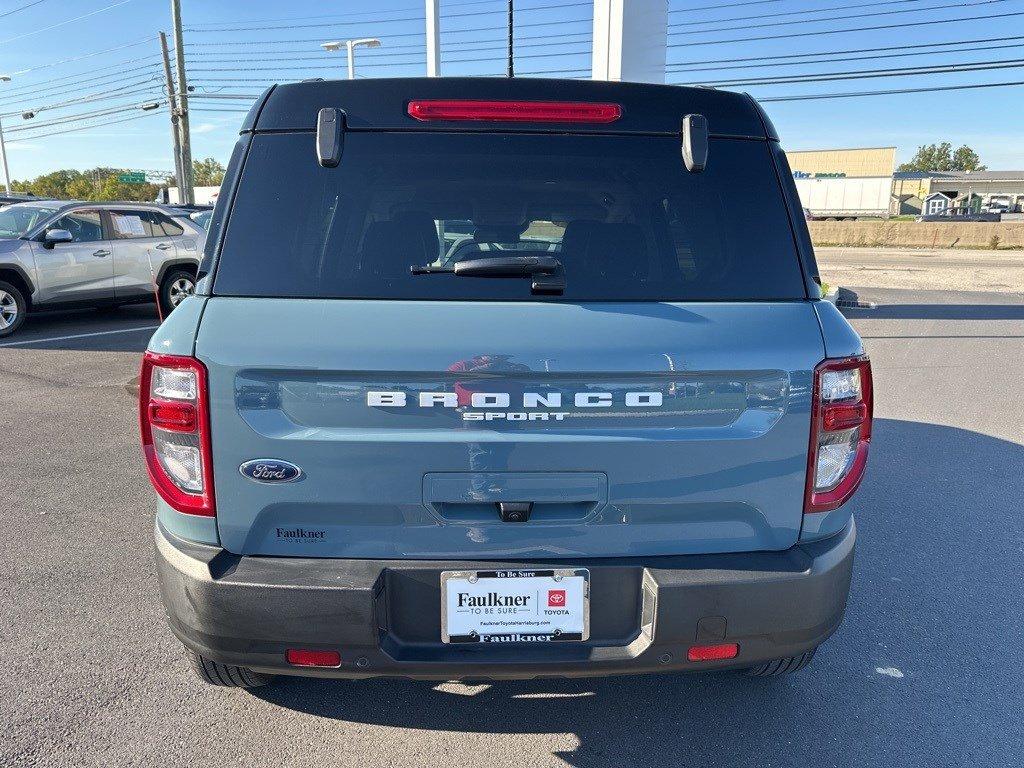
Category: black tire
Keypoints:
(780, 667)
(173, 281)
(13, 309)
(225, 675)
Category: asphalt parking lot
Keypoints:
(926, 671)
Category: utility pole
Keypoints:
(511, 39)
(185, 189)
(173, 109)
(433, 18)
(3, 147)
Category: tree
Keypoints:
(95, 184)
(207, 173)
(941, 157)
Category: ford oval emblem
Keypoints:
(270, 471)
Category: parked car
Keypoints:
(202, 218)
(57, 254)
(631, 453)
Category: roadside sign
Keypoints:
(132, 178)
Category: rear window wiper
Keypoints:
(546, 271)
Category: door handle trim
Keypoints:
(164, 246)
(101, 252)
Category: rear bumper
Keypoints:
(383, 616)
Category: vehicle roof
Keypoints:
(380, 104)
(60, 205)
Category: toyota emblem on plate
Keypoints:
(270, 471)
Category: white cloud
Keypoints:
(205, 128)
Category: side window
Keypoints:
(170, 227)
(131, 224)
(85, 226)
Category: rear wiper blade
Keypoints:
(546, 271)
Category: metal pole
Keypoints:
(511, 39)
(3, 147)
(175, 138)
(3, 156)
(351, 60)
(433, 18)
(185, 183)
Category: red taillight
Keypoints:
(300, 657)
(514, 111)
(713, 652)
(175, 426)
(841, 413)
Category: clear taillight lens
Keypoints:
(174, 421)
(840, 432)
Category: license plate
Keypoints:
(515, 606)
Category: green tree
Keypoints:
(95, 184)
(941, 157)
(207, 173)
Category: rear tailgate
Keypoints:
(708, 453)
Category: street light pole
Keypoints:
(335, 45)
(3, 147)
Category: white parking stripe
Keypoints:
(79, 336)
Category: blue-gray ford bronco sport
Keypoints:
(494, 379)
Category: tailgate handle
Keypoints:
(514, 511)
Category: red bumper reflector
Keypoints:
(174, 416)
(514, 111)
(713, 652)
(299, 657)
(837, 416)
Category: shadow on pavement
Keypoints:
(938, 312)
(936, 590)
(120, 329)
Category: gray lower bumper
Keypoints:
(383, 616)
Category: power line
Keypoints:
(803, 12)
(898, 91)
(822, 33)
(840, 53)
(210, 27)
(104, 124)
(920, 9)
(127, 107)
(73, 83)
(146, 39)
(21, 8)
(834, 59)
(305, 54)
(66, 21)
(393, 37)
(89, 97)
(722, 5)
(864, 74)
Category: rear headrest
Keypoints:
(614, 251)
(391, 247)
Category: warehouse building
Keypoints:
(844, 183)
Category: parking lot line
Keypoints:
(79, 336)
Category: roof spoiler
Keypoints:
(330, 136)
(695, 143)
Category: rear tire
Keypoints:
(13, 309)
(177, 285)
(225, 675)
(780, 667)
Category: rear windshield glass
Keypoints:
(621, 214)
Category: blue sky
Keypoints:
(223, 60)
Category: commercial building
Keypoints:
(851, 183)
(932, 193)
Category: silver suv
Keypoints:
(58, 254)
